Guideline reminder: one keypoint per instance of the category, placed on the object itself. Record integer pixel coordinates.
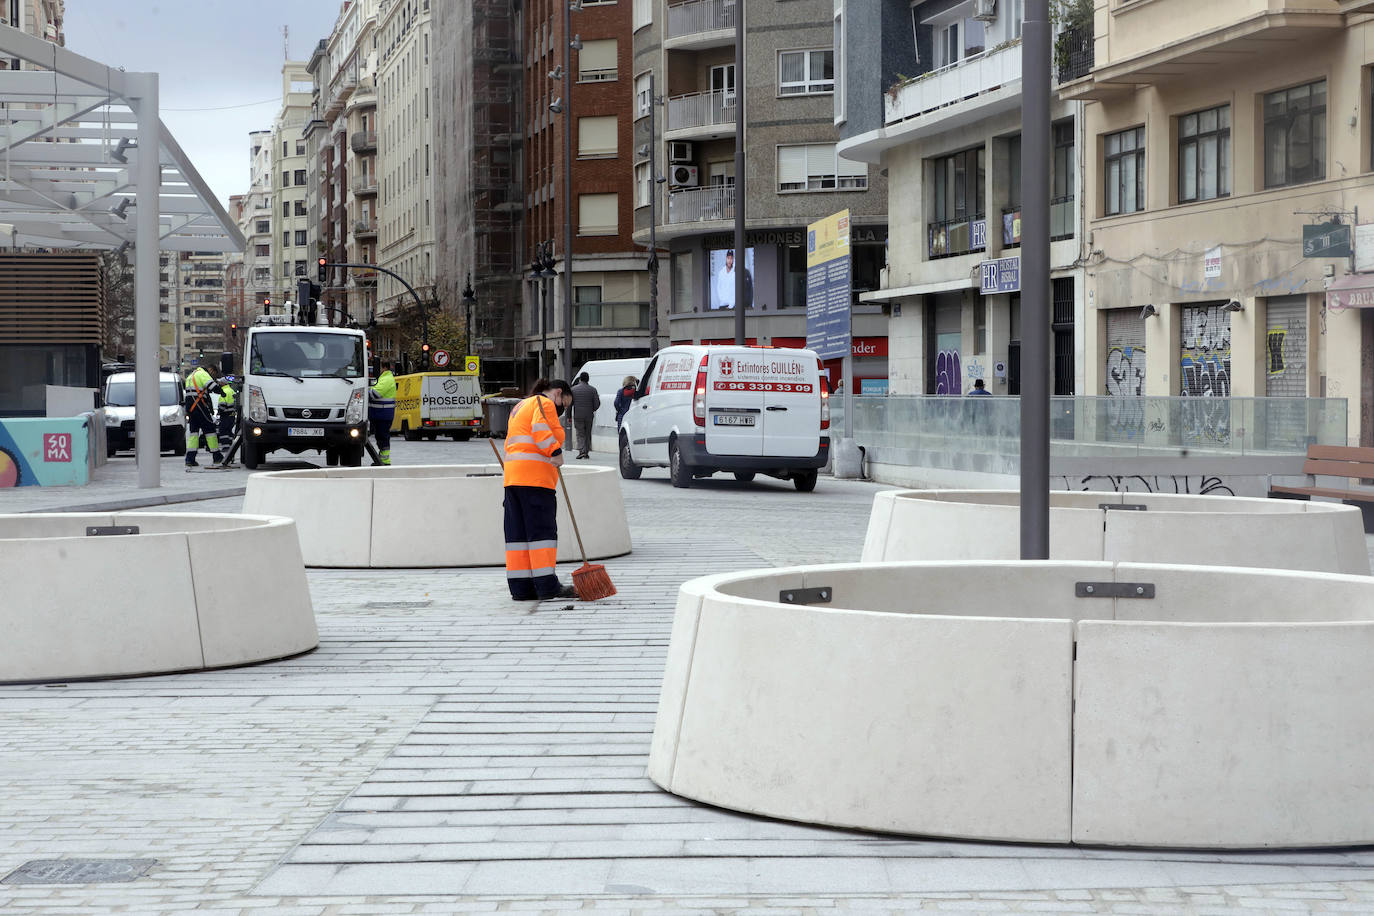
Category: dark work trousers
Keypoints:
(379, 418)
(531, 542)
(228, 423)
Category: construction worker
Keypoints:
(200, 416)
(228, 420)
(534, 453)
(381, 410)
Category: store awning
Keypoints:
(1353, 291)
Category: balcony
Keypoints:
(1074, 51)
(364, 277)
(961, 93)
(699, 24)
(364, 186)
(611, 316)
(701, 116)
(701, 205)
(953, 237)
(1061, 221)
(365, 229)
(363, 141)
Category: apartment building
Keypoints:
(40, 18)
(196, 296)
(340, 136)
(293, 255)
(795, 172)
(404, 176)
(1229, 149)
(609, 311)
(479, 200)
(936, 104)
(255, 222)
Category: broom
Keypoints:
(590, 579)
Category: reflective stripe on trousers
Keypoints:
(531, 526)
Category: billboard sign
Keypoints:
(828, 286)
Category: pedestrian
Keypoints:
(228, 420)
(624, 398)
(586, 401)
(200, 416)
(978, 389)
(381, 410)
(534, 453)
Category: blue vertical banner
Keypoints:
(828, 286)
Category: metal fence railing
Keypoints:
(701, 109)
(700, 16)
(701, 204)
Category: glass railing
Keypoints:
(984, 433)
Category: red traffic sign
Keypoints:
(441, 358)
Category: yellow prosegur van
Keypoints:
(431, 404)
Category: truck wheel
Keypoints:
(408, 434)
(628, 469)
(351, 455)
(744, 476)
(805, 481)
(678, 472)
(251, 454)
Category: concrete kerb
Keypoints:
(1031, 713)
(143, 502)
(81, 606)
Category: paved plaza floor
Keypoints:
(446, 750)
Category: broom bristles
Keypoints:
(592, 582)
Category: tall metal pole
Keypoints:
(1035, 282)
(148, 173)
(740, 84)
(567, 191)
(653, 216)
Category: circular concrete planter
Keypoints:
(1209, 530)
(428, 515)
(186, 592)
(1235, 708)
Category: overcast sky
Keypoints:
(210, 54)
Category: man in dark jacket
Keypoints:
(585, 402)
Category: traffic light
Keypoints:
(267, 305)
(323, 261)
(233, 327)
(424, 354)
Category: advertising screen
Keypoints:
(722, 264)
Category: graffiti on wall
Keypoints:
(1196, 485)
(948, 376)
(1126, 389)
(1205, 361)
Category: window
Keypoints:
(1124, 171)
(300, 208)
(958, 221)
(300, 148)
(723, 80)
(300, 178)
(1295, 135)
(1204, 154)
(286, 239)
(300, 236)
(285, 208)
(643, 13)
(806, 72)
(597, 214)
(643, 186)
(587, 306)
(263, 226)
(816, 167)
(286, 179)
(643, 94)
(1062, 187)
(596, 137)
(838, 43)
(300, 268)
(262, 251)
(596, 62)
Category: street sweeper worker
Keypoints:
(533, 455)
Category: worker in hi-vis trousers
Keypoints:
(200, 416)
(534, 453)
(381, 410)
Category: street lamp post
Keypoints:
(1035, 282)
(740, 168)
(654, 181)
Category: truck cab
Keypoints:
(304, 388)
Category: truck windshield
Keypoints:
(121, 394)
(306, 354)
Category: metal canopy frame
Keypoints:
(73, 174)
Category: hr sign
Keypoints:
(1002, 275)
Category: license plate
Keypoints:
(305, 430)
(734, 419)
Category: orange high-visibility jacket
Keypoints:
(532, 437)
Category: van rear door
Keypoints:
(791, 405)
(734, 404)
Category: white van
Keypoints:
(605, 375)
(119, 413)
(750, 410)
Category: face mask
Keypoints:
(561, 408)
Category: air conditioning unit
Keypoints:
(686, 176)
(679, 151)
(985, 10)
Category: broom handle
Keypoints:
(499, 460)
(568, 500)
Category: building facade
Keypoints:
(293, 255)
(1221, 137)
(939, 109)
(39, 18)
(609, 308)
(684, 55)
(255, 222)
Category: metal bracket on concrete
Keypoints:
(1114, 589)
(819, 595)
(1137, 507)
(95, 531)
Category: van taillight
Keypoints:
(699, 394)
(824, 385)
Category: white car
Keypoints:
(119, 412)
(748, 410)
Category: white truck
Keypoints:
(304, 388)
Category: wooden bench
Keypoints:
(1336, 461)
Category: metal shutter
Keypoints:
(1124, 374)
(1286, 347)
